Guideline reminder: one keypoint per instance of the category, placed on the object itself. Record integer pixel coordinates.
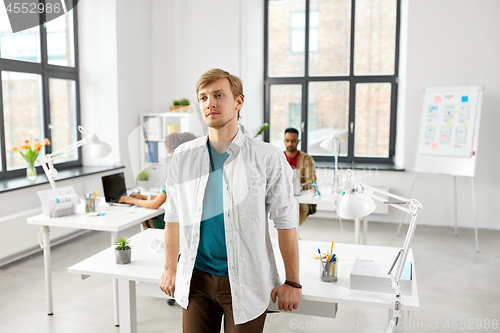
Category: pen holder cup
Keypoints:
(328, 271)
(90, 204)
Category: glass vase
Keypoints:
(31, 173)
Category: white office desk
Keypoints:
(115, 220)
(307, 197)
(318, 298)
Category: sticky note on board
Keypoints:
(449, 124)
(434, 145)
(465, 99)
(437, 99)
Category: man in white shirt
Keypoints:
(221, 188)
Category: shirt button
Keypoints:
(195, 235)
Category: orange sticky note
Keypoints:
(437, 99)
(434, 145)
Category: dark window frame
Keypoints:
(351, 78)
(47, 71)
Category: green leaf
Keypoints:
(262, 129)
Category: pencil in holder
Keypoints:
(89, 205)
(328, 271)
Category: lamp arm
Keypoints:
(406, 246)
(69, 148)
(410, 206)
(413, 206)
(43, 161)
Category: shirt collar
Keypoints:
(234, 147)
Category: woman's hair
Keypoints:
(174, 140)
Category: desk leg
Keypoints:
(128, 308)
(356, 232)
(48, 269)
(365, 230)
(114, 237)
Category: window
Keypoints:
(39, 91)
(331, 67)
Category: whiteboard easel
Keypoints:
(449, 135)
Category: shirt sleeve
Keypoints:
(280, 202)
(171, 187)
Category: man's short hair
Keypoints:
(174, 140)
(292, 130)
(215, 74)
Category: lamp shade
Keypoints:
(99, 150)
(354, 205)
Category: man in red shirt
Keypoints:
(300, 160)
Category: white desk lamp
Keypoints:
(98, 150)
(358, 202)
(332, 145)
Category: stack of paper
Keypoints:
(372, 276)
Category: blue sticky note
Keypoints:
(465, 99)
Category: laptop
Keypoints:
(114, 188)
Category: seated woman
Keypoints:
(172, 141)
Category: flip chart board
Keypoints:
(449, 130)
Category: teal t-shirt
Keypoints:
(212, 252)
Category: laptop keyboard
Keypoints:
(120, 204)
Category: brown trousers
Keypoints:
(209, 300)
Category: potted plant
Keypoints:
(181, 105)
(256, 132)
(123, 251)
(143, 180)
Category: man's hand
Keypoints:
(167, 283)
(307, 186)
(288, 297)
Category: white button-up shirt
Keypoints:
(257, 183)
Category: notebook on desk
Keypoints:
(114, 188)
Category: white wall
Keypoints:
(116, 75)
(99, 75)
(134, 55)
(454, 43)
(192, 36)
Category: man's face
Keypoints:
(291, 142)
(218, 105)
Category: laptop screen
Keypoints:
(114, 187)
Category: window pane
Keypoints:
(60, 41)
(373, 114)
(23, 45)
(286, 106)
(286, 40)
(328, 116)
(63, 117)
(375, 37)
(22, 110)
(329, 37)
